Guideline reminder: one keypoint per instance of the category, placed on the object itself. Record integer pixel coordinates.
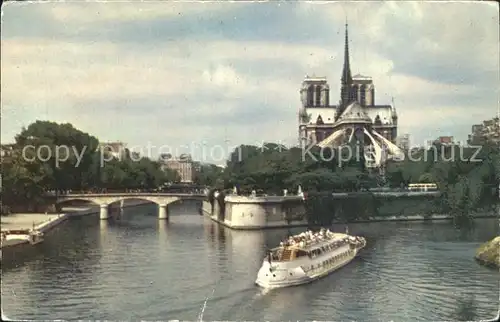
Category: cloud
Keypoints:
(446, 41)
(106, 69)
(107, 12)
(184, 72)
(139, 89)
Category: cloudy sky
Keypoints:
(194, 74)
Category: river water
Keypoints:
(142, 268)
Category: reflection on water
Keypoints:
(466, 309)
(142, 268)
(103, 231)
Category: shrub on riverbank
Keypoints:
(322, 208)
(489, 253)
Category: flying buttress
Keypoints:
(376, 147)
(393, 149)
(329, 140)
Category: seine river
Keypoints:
(143, 269)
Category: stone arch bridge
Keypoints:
(106, 199)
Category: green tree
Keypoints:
(70, 154)
(22, 181)
(208, 175)
(69, 160)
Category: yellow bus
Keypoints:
(422, 187)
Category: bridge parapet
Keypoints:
(127, 194)
(107, 198)
(262, 199)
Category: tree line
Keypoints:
(29, 173)
(466, 177)
(278, 167)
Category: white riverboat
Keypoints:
(11, 238)
(306, 257)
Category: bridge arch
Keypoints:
(60, 202)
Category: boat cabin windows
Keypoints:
(327, 248)
(300, 253)
(315, 252)
(286, 254)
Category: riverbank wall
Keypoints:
(251, 213)
(52, 222)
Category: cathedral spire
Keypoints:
(347, 94)
(346, 70)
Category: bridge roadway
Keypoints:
(105, 199)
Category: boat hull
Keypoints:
(271, 277)
(289, 274)
(12, 240)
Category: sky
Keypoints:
(190, 76)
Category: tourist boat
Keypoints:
(306, 257)
(17, 237)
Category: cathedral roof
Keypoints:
(384, 112)
(327, 114)
(355, 112)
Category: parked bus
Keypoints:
(422, 187)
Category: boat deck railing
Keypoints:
(310, 245)
(16, 232)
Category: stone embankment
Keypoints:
(45, 222)
(25, 221)
(489, 253)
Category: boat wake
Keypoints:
(200, 317)
(245, 299)
(262, 292)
